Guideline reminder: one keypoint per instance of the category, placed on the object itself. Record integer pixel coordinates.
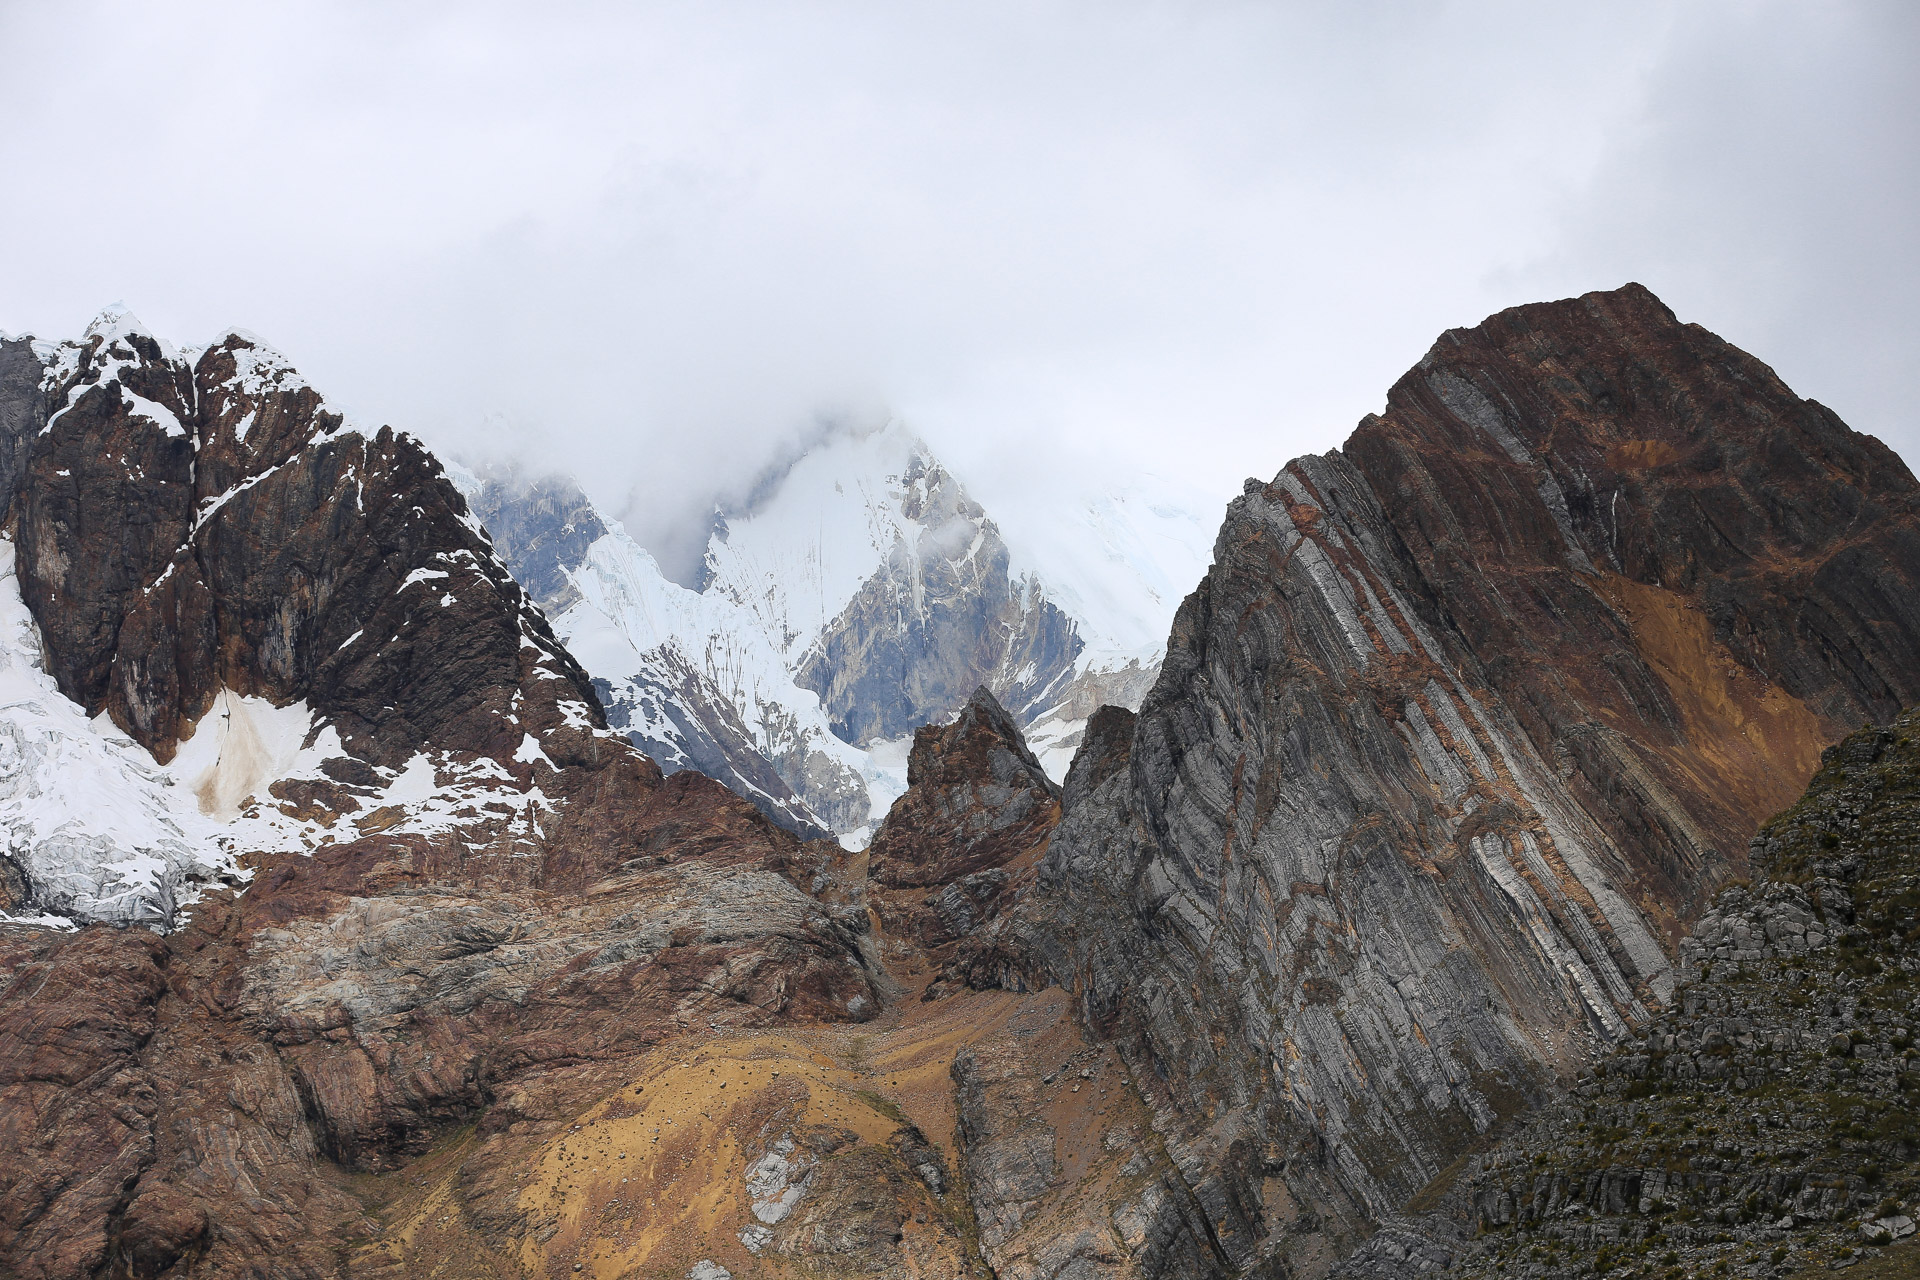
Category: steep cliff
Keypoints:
(1466, 722)
(199, 522)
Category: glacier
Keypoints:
(861, 593)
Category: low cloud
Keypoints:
(1063, 240)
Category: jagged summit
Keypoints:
(860, 593)
(274, 623)
(115, 322)
(1468, 720)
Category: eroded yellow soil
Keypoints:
(641, 1170)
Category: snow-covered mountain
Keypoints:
(233, 626)
(862, 594)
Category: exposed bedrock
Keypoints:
(1467, 721)
(965, 835)
(185, 527)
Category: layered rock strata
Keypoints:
(1466, 723)
(1765, 1123)
(975, 817)
(1062, 1171)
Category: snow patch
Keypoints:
(421, 575)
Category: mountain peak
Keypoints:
(115, 321)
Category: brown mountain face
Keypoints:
(1466, 722)
(184, 528)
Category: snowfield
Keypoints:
(782, 573)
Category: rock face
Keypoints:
(976, 815)
(1065, 1177)
(1767, 1120)
(1465, 723)
(298, 621)
(22, 410)
(187, 526)
(942, 616)
(976, 798)
(354, 1006)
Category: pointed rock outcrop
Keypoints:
(976, 815)
(976, 799)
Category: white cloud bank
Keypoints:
(649, 242)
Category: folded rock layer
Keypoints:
(1467, 721)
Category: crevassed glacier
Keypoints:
(99, 829)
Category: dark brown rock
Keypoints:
(22, 411)
(976, 799)
(185, 529)
(964, 837)
(77, 1102)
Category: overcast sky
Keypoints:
(650, 243)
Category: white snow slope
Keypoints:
(632, 621)
(1117, 563)
(104, 832)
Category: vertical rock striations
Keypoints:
(1467, 720)
(1766, 1121)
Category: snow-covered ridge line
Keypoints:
(94, 825)
(829, 576)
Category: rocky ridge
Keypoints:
(1467, 722)
(407, 1047)
(977, 813)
